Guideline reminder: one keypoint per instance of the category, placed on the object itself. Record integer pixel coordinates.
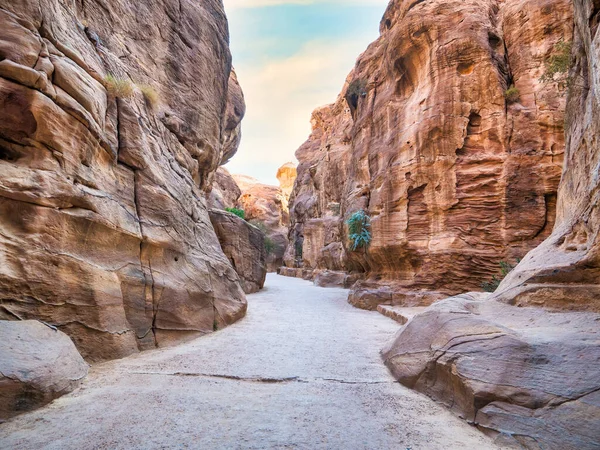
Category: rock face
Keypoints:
(286, 175)
(267, 207)
(225, 191)
(244, 245)
(525, 373)
(104, 227)
(37, 365)
(564, 271)
(455, 174)
(529, 376)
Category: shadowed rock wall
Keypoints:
(104, 229)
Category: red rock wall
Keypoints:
(455, 177)
(564, 271)
(104, 230)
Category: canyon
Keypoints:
(454, 175)
(453, 140)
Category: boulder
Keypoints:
(525, 375)
(244, 246)
(37, 365)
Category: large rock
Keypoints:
(286, 175)
(455, 176)
(244, 245)
(37, 365)
(104, 227)
(528, 376)
(225, 191)
(564, 271)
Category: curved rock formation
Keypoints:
(457, 170)
(528, 376)
(564, 271)
(114, 117)
(37, 365)
(286, 175)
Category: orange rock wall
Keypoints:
(454, 176)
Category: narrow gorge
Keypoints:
(426, 277)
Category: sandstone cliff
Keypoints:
(114, 117)
(457, 170)
(529, 375)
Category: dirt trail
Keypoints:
(301, 371)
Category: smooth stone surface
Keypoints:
(37, 365)
(280, 378)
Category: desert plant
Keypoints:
(151, 95)
(505, 268)
(512, 94)
(557, 65)
(359, 224)
(238, 212)
(118, 87)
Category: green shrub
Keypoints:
(557, 65)
(505, 268)
(512, 94)
(238, 212)
(358, 230)
(118, 87)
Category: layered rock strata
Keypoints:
(37, 365)
(457, 170)
(564, 271)
(244, 245)
(114, 117)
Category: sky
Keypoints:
(291, 56)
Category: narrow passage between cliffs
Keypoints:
(302, 370)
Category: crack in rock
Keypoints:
(259, 379)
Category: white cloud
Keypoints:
(280, 97)
(241, 4)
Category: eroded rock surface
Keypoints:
(525, 375)
(455, 176)
(37, 365)
(244, 245)
(564, 271)
(104, 229)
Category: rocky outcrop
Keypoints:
(457, 170)
(225, 191)
(114, 117)
(564, 271)
(525, 375)
(266, 206)
(37, 365)
(286, 175)
(244, 245)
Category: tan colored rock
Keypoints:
(225, 191)
(244, 245)
(104, 227)
(286, 175)
(37, 365)
(564, 271)
(526, 375)
(267, 207)
(455, 177)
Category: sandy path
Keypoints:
(301, 371)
